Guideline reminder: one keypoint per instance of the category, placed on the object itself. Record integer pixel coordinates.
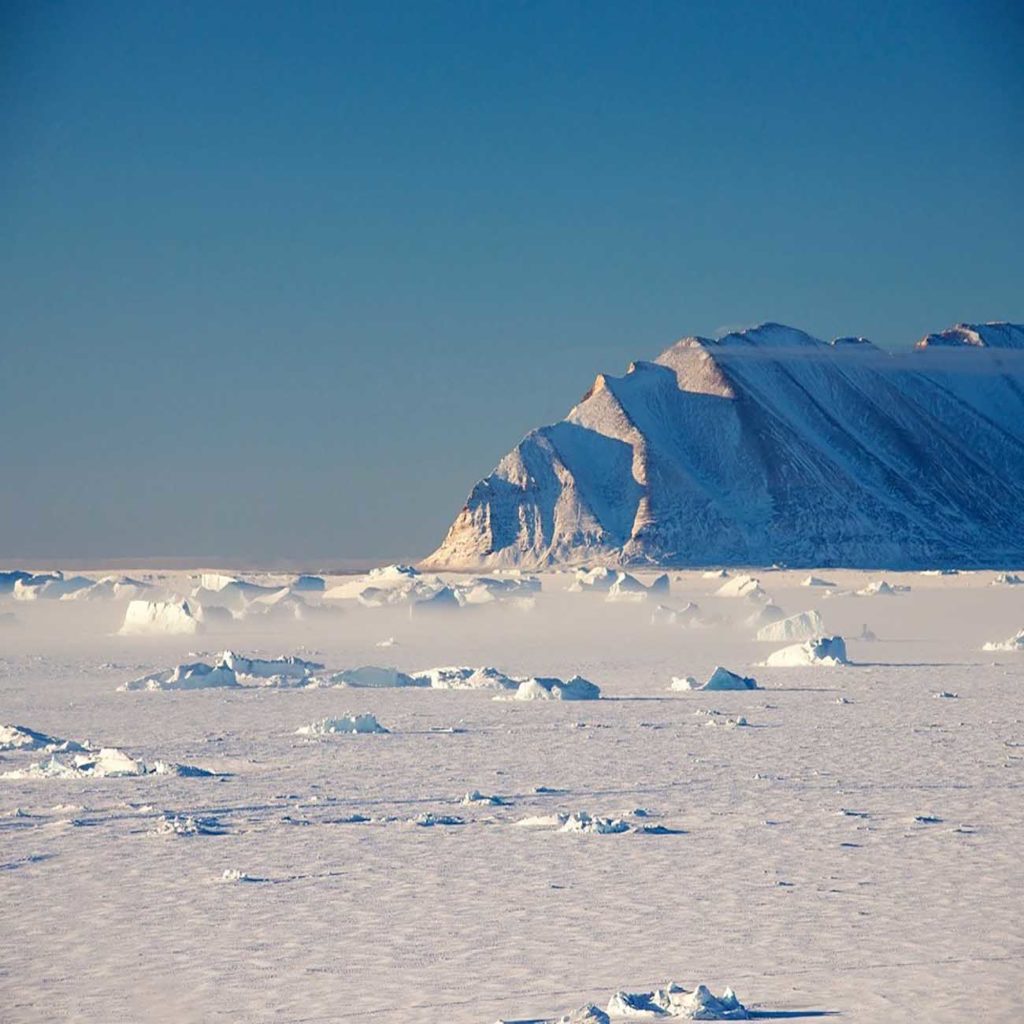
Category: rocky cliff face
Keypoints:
(768, 446)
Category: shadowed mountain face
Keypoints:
(771, 446)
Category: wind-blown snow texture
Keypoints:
(766, 446)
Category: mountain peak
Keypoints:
(769, 445)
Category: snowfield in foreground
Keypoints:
(230, 815)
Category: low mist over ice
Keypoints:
(512, 765)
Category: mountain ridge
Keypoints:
(769, 445)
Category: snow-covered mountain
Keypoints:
(768, 446)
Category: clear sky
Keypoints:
(282, 280)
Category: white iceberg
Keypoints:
(802, 626)
(347, 724)
(600, 578)
(107, 762)
(883, 588)
(110, 588)
(675, 1001)
(825, 651)
(627, 588)
(1008, 579)
(1015, 643)
(21, 737)
(370, 677)
(464, 677)
(290, 667)
(309, 584)
(741, 586)
(50, 586)
(195, 676)
(720, 679)
(765, 615)
(167, 618)
(816, 581)
(540, 688)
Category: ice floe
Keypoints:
(160, 618)
(802, 626)
(720, 679)
(365, 723)
(825, 651)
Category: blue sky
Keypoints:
(283, 280)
